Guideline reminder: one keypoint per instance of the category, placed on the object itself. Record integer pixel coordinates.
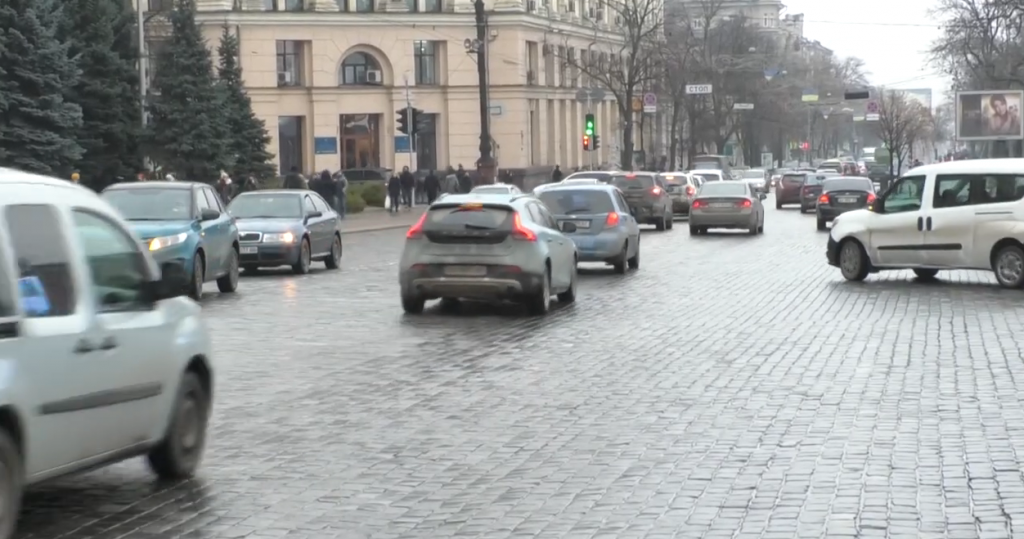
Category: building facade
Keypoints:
(329, 77)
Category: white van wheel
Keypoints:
(1008, 265)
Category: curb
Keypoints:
(377, 228)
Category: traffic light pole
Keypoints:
(412, 125)
(590, 110)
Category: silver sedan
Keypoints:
(727, 205)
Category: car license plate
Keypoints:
(847, 200)
(465, 271)
(722, 205)
(579, 224)
(248, 250)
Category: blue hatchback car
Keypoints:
(183, 223)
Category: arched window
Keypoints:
(355, 67)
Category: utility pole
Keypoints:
(486, 164)
(590, 110)
(143, 59)
(412, 124)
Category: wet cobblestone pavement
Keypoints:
(734, 387)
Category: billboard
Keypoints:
(989, 115)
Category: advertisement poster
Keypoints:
(989, 115)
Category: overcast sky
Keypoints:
(891, 36)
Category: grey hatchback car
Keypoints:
(489, 247)
(647, 196)
(603, 228)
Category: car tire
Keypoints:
(694, 230)
(853, 261)
(822, 225)
(450, 304)
(569, 295)
(12, 484)
(634, 262)
(333, 260)
(1008, 265)
(413, 304)
(620, 264)
(301, 267)
(195, 287)
(539, 303)
(778, 205)
(926, 274)
(671, 222)
(659, 225)
(228, 282)
(753, 230)
(760, 229)
(178, 455)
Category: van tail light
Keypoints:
(697, 204)
(744, 204)
(416, 231)
(823, 199)
(612, 220)
(656, 190)
(690, 190)
(519, 231)
(871, 198)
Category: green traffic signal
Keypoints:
(588, 127)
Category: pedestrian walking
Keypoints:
(420, 192)
(326, 189)
(432, 186)
(294, 180)
(408, 182)
(250, 184)
(465, 183)
(556, 175)
(341, 192)
(224, 188)
(451, 182)
(394, 193)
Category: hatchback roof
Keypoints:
(152, 185)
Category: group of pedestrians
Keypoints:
(332, 187)
(403, 188)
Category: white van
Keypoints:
(103, 358)
(955, 215)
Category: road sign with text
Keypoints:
(650, 103)
(698, 89)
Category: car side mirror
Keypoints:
(762, 196)
(568, 228)
(314, 215)
(208, 214)
(172, 283)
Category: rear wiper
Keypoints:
(478, 227)
(578, 210)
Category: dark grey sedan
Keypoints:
(286, 228)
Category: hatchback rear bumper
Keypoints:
(599, 247)
(828, 213)
(498, 284)
(727, 220)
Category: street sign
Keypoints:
(585, 95)
(872, 107)
(650, 103)
(767, 160)
(698, 89)
(872, 117)
(637, 104)
(742, 106)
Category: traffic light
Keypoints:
(597, 141)
(805, 145)
(586, 143)
(420, 121)
(403, 121)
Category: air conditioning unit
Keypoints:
(285, 78)
(373, 76)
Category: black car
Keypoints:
(811, 189)
(840, 195)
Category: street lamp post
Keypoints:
(143, 58)
(486, 165)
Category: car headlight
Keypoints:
(284, 237)
(162, 242)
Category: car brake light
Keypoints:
(697, 204)
(656, 190)
(823, 199)
(690, 190)
(871, 198)
(416, 230)
(519, 231)
(744, 204)
(612, 220)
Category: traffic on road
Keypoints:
(555, 379)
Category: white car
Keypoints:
(955, 215)
(104, 359)
(497, 189)
(712, 175)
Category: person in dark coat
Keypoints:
(326, 188)
(556, 175)
(294, 180)
(408, 182)
(394, 193)
(250, 184)
(465, 183)
(341, 192)
(432, 185)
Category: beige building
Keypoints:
(328, 77)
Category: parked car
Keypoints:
(286, 228)
(598, 219)
(953, 215)
(840, 195)
(648, 198)
(105, 359)
(727, 205)
(183, 224)
(487, 247)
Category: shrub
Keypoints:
(373, 193)
(354, 203)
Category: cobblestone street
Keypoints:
(735, 386)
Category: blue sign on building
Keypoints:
(325, 145)
(402, 144)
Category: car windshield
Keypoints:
(599, 176)
(149, 204)
(793, 178)
(627, 183)
(256, 206)
(566, 201)
(753, 174)
(723, 189)
(848, 184)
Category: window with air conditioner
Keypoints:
(356, 69)
(290, 63)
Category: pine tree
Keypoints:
(107, 88)
(37, 125)
(187, 135)
(249, 137)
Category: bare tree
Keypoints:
(902, 121)
(624, 62)
(982, 42)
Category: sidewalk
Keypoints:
(374, 219)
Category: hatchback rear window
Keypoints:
(848, 185)
(793, 178)
(565, 201)
(815, 179)
(723, 189)
(467, 216)
(636, 182)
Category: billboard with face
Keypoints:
(989, 115)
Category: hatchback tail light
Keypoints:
(612, 220)
(823, 199)
(519, 231)
(697, 204)
(416, 230)
(871, 198)
(656, 190)
(743, 204)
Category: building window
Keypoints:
(157, 6)
(360, 68)
(412, 6)
(294, 5)
(364, 6)
(289, 63)
(289, 143)
(426, 62)
(360, 141)
(426, 142)
(432, 6)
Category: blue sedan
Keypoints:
(185, 224)
(603, 227)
